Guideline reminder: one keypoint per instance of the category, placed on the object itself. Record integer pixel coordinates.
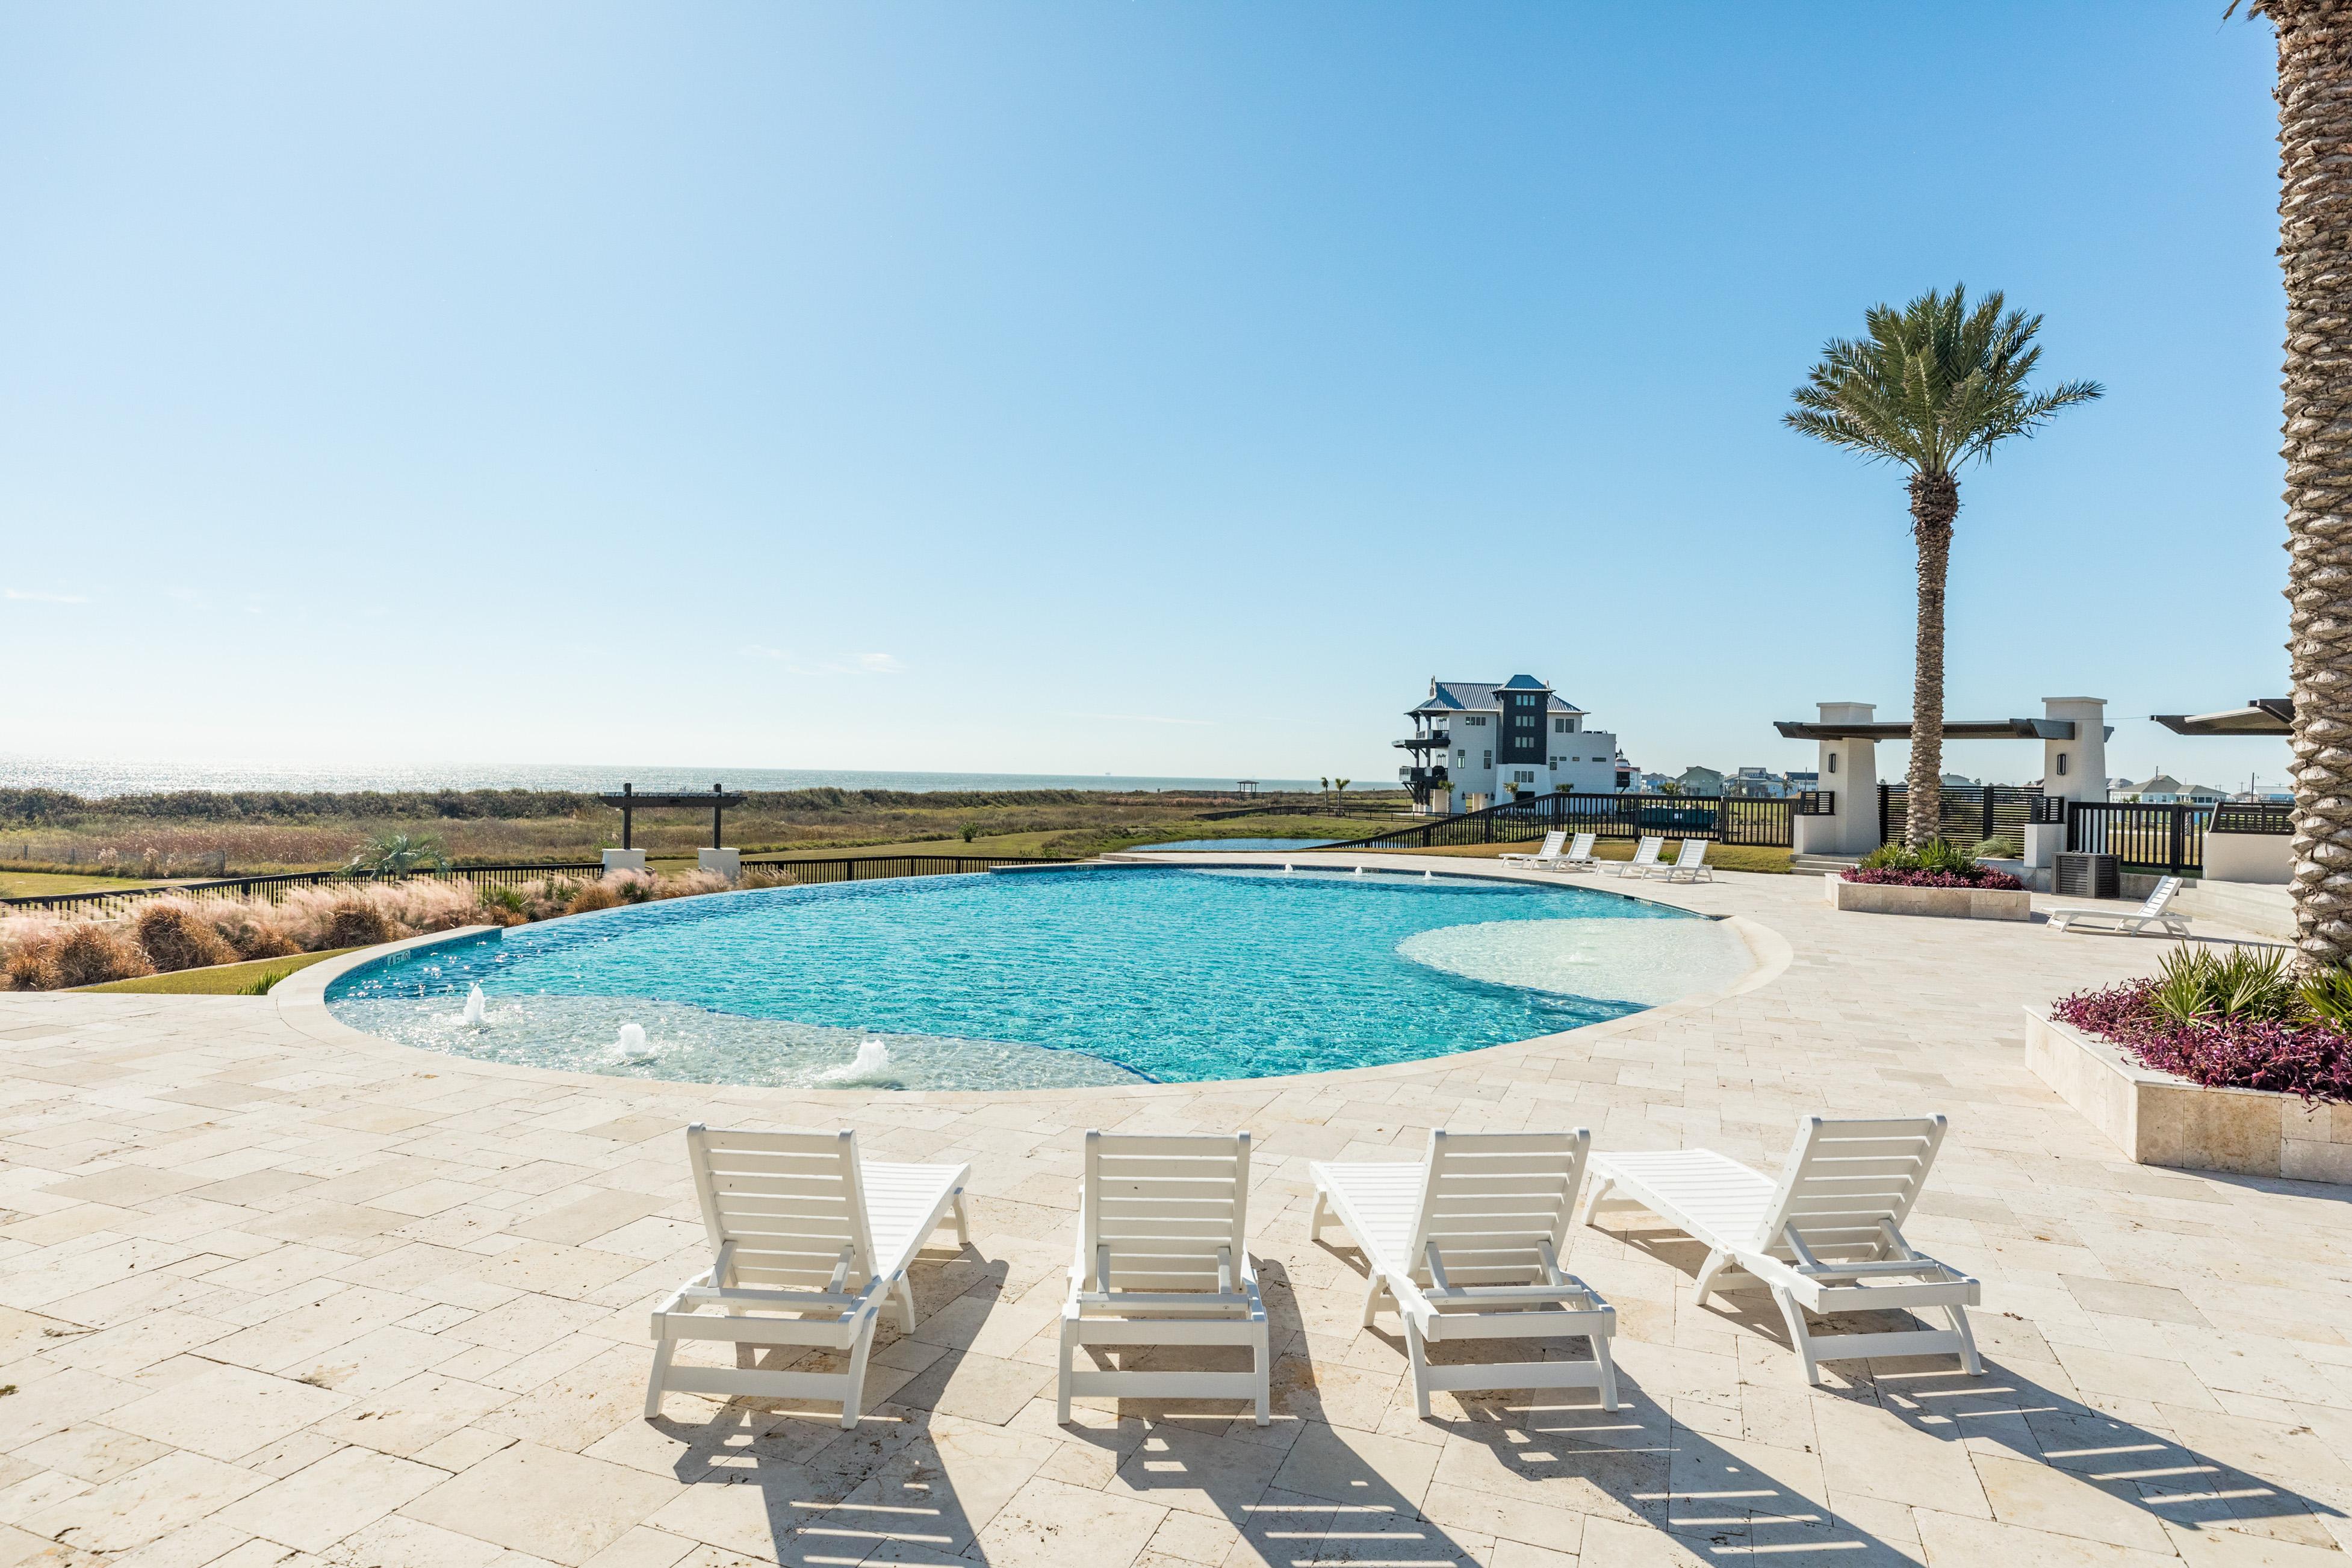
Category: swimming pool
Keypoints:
(1112, 974)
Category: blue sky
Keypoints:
(1152, 389)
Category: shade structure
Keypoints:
(2261, 716)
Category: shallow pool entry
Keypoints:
(1053, 979)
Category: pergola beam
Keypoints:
(628, 802)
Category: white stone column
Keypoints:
(2071, 770)
(1849, 770)
(624, 860)
(728, 864)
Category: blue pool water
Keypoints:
(1196, 844)
(1108, 975)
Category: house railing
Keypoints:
(2166, 840)
(2252, 817)
(1969, 814)
(1735, 819)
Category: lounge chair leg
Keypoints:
(1601, 1353)
(905, 1294)
(1970, 1363)
(1315, 1220)
(1798, 1338)
(853, 1398)
(1069, 1344)
(662, 1353)
(1418, 1355)
(1371, 1298)
(1716, 1263)
(1263, 1362)
(962, 1221)
(1600, 1186)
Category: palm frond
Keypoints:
(1932, 384)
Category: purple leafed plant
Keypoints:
(2291, 1056)
(1892, 876)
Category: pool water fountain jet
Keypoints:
(870, 1065)
(476, 1008)
(631, 1045)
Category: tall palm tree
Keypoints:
(1933, 385)
(2315, 99)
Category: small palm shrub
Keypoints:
(2195, 985)
(174, 935)
(2327, 996)
(391, 854)
(1935, 863)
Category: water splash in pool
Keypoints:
(870, 1069)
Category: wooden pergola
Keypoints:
(629, 803)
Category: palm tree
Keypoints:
(1933, 385)
(2315, 99)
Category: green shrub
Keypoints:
(2327, 996)
(2195, 985)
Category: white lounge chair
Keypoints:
(1466, 1245)
(1690, 862)
(806, 1241)
(1645, 860)
(1819, 1239)
(2155, 912)
(1162, 1260)
(1544, 856)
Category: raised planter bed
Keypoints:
(2162, 1119)
(1947, 903)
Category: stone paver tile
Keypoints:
(227, 1412)
(1049, 1525)
(1953, 1541)
(146, 1504)
(412, 1415)
(1875, 1452)
(643, 1548)
(2161, 1303)
(2039, 1497)
(394, 1541)
(92, 1452)
(347, 1490)
(974, 1387)
(1358, 1469)
(1181, 1469)
(543, 1501)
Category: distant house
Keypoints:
(1700, 782)
(1959, 779)
(1802, 783)
(2164, 789)
(1477, 743)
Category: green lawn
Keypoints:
(221, 979)
(40, 883)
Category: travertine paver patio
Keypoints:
(270, 1299)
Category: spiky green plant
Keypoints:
(1932, 387)
(392, 854)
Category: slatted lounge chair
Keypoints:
(806, 1242)
(1162, 1260)
(1580, 855)
(1466, 1246)
(1548, 854)
(1645, 860)
(2153, 911)
(1690, 864)
(1827, 1237)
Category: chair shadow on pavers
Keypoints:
(2066, 1455)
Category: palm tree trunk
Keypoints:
(1935, 502)
(2314, 98)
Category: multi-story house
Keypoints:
(1475, 744)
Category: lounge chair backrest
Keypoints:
(1842, 1178)
(788, 1201)
(1552, 840)
(1486, 1198)
(1694, 853)
(1647, 851)
(1582, 848)
(1164, 1206)
(2160, 896)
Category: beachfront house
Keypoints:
(1477, 743)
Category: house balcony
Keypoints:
(1422, 777)
(1435, 739)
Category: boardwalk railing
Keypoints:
(109, 903)
(2166, 840)
(1734, 820)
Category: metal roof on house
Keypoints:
(1478, 697)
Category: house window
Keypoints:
(1559, 727)
(1490, 760)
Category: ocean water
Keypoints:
(1098, 974)
(94, 778)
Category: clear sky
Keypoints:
(1144, 388)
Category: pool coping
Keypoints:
(301, 999)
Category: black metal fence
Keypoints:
(1969, 814)
(112, 902)
(2143, 838)
(1735, 820)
